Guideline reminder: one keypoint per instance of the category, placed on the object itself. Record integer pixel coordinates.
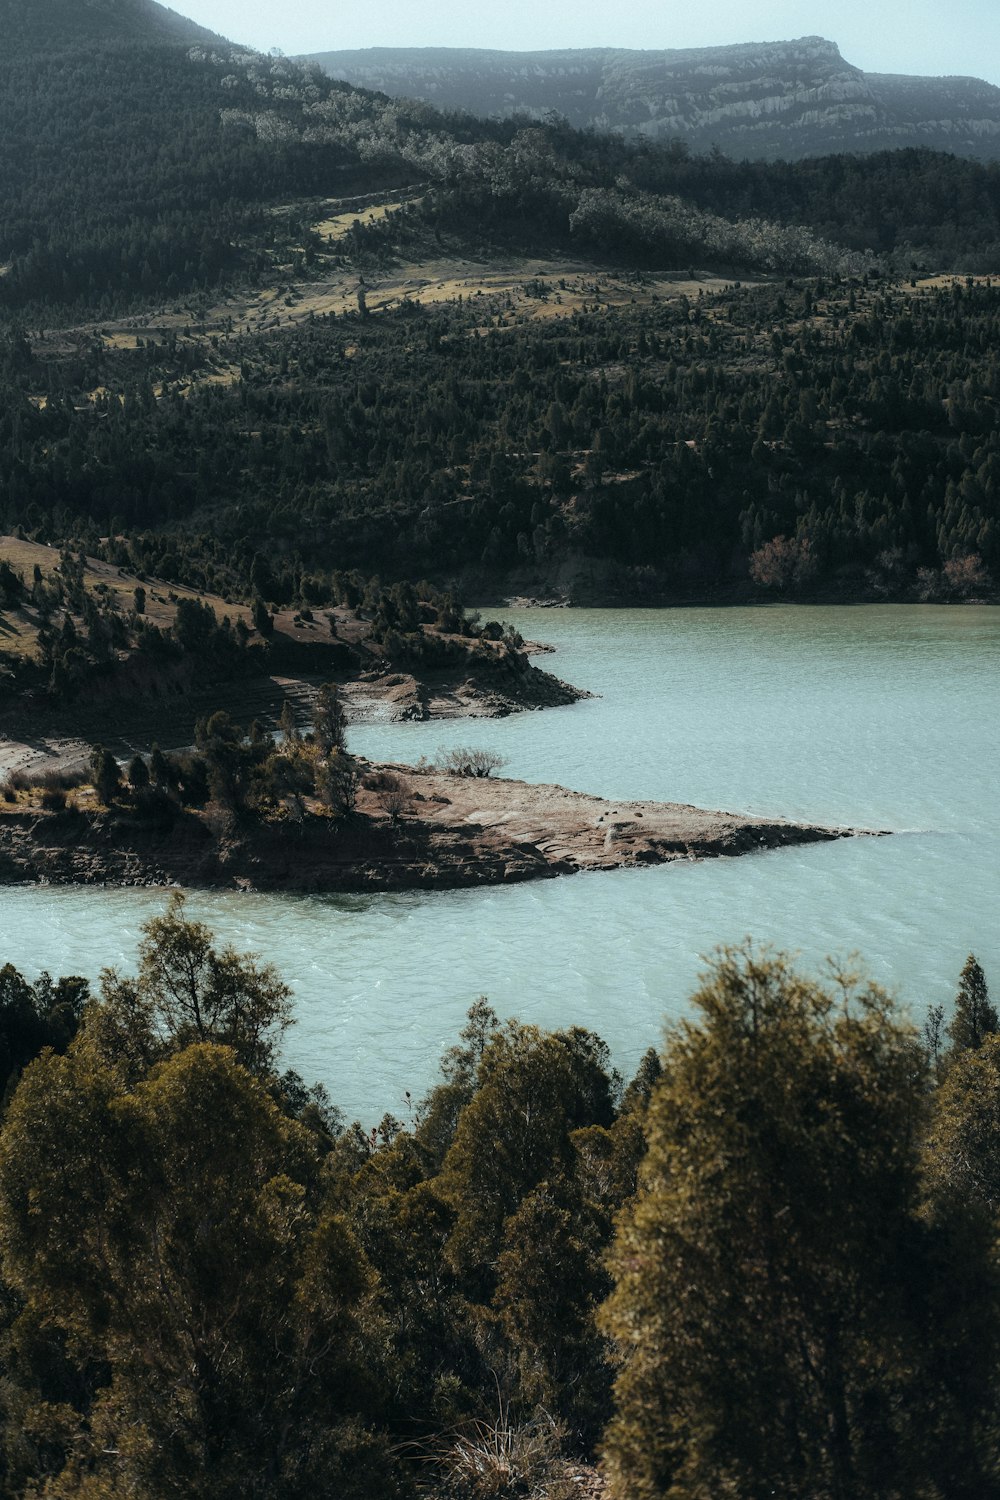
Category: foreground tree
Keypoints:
(780, 1307)
(33, 1016)
(975, 1017)
(964, 1150)
(188, 990)
(214, 1320)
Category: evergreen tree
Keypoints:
(975, 1018)
(106, 773)
(329, 722)
(217, 1324)
(263, 620)
(159, 768)
(289, 728)
(138, 774)
(774, 1275)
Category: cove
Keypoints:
(881, 717)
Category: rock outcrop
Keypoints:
(446, 831)
(757, 100)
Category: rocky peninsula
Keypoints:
(411, 830)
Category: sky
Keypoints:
(881, 36)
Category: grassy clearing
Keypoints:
(337, 226)
(520, 289)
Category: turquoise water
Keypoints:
(883, 718)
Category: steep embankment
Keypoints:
(411, 830)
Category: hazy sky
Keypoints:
(902, 36)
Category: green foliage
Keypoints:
(775, 1281)
(35, 1016)
(532, 1091)
(212, 1288)
(106, 773)
(337, 782)
(227, 1313)
(975, 1017)
(138, 774)
(189, 991)
(847, 449)
(263, 620)
(964, 1152)
(328, 721)
(550, 1282)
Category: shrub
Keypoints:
(497, 1457)
(784, 563)
(393, 796)
(466, 761)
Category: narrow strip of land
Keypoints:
(411, 829)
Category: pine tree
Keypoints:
(289, 728)
(975, 1018)
(138, 774)
(329, 722)
(106, 773)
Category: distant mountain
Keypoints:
(54, 25)
(759, 100)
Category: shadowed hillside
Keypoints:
(52, 25)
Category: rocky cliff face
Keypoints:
(759, 100)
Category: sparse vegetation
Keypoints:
(466, 761)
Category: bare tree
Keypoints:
(471, 761)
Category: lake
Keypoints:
(873, 717)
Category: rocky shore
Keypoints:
(38, 737)
(444, 831)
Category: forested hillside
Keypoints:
(129, 172)
(660, 449)
(55, 26)
(198, 366)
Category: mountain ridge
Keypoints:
(758, 100)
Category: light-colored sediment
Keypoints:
(447, 832)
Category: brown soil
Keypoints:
(453, 832)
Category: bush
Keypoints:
(66, 779)
(496, 1458)
(393, 796)
(53, 800)
(465, 761)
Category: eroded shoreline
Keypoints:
(453, 832)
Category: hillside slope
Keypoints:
(763, 101)
(52, 25)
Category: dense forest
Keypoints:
(765, 1266)
(820, 435)
(821, 425)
